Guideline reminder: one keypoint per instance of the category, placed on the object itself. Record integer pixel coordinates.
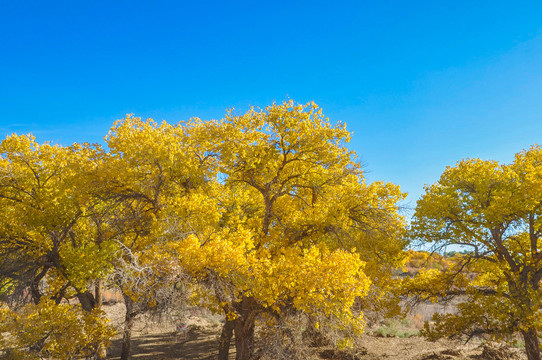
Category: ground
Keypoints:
(158, 339)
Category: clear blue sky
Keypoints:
(420, 84)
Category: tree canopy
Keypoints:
(493, 210)
(268, 213)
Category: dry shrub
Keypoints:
(451, 352)
(283, 339)
(299, 336)
(490, 352)
(396, 327)
(417, 321)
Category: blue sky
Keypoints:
(422, 84)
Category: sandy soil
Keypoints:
(197, 341)
(159, 339)
(203, 346)
(164, 346)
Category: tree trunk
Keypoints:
(98, 293)
(225, 340)
(126, 352)
(35, 286)
(246, 310)
(244, 338)
(101, 353)
(532, 345)
(87, 300)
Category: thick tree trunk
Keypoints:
(532, 345)
(101, 353)
(244, 338)
(246, 310)
(126, 352)
(225, 340)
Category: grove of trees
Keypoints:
(264, 217)
(267, 215)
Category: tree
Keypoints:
(494, 211)
(50, 330)
(291, 222)
(149, 167)
(48, 241)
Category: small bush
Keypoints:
(396, 328)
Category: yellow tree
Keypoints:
(48, 246)
(149, 165)
(50, 330)
(494, 211)
(291, 222)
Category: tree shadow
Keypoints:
(198, 346)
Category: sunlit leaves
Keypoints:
(268, 212)
(493, 210)
(289, 221)
(47, 330)
(47, 197)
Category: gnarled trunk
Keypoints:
(246, 310)
(101, 353)
(244, 339)
(532, 345)
(126, 352)
(225, 340)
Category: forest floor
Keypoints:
(156, 339)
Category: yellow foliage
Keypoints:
(270, 208)
(289, 221)
(60, 331)
(47, 196)
(494, 211)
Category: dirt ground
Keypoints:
(164, 346)
(197, 340)
(159, 339)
